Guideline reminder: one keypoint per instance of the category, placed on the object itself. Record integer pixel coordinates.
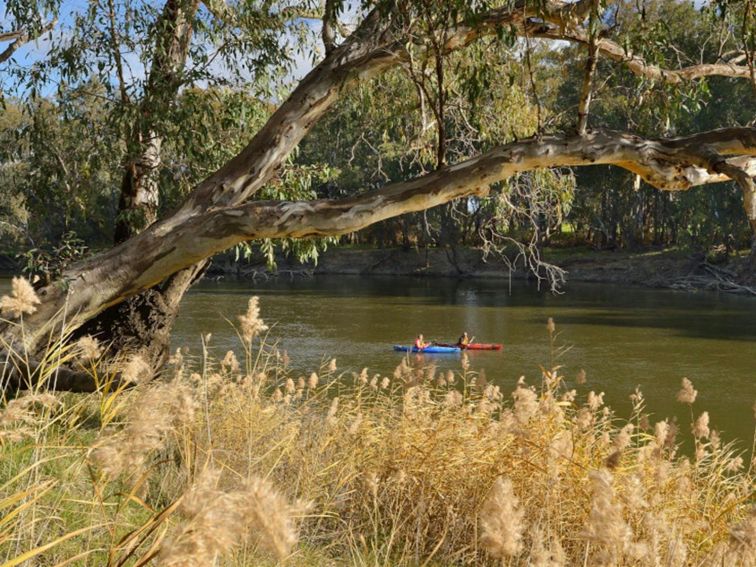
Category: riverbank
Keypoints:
(673, 268)
(661, 269)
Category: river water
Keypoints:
(622, 336)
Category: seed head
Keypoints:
(501, 520)
(331, 417)
(606, 526)
(229, 363)
(218, 521)
(136, 370)
(550, 326)
(715, 440)
(250, 322)
(525, 403)
(569, 396)
(89, 348)
(354, 427)
(453, 399)
(156, 412)
(23, 299)
(624, 437)
(581, 377)
(543, 556)
(743, 539)
(701, 426)
(595, 401)
(687, 394)
(363, 377)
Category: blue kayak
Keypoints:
(432, 349)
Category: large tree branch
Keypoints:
(378, 44)
(20, 38)
(138, 264)
(671, 165)
(636, 64)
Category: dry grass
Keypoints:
(241, 462)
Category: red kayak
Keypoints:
(474, 346)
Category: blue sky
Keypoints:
(33, 51)
(37, 49)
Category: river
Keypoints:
(622, 336)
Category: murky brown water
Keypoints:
(622, 337)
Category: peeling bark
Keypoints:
(139, 200)
(20, 38)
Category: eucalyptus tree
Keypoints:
(613, 207)
(140, 63)
(157, 265)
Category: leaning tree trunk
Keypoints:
(142, 324)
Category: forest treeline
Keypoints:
(62, 152)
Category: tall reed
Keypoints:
(235, 460)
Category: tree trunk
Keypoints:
(142, 324)
(749, 200)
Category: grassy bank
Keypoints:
(238, 461)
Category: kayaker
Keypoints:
(463, 341)
(420, 344)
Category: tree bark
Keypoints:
(139, 200)
(142, 324)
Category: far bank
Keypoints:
(671, 268)
(662, 269)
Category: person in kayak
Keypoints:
(420, 344)
(463, 341)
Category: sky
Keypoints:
(36, 50)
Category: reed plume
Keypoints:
(22, 300)
(251, 323)
(687, 393)
(501, 521)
